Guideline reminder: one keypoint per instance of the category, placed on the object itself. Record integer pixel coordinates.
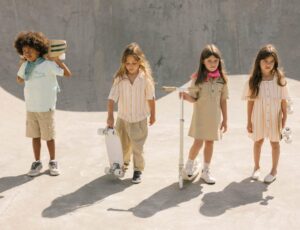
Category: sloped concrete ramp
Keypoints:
(84, 198)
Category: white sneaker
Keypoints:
(53, 168)
(191, 167)
(35, 169)
(207, 177)
(255, 175)
(269, 178)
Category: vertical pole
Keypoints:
(181, 121)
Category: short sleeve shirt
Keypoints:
(132, 98)
(41, 88)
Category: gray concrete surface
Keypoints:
(84, 198)
(171, 32)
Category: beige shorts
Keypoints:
(40, 125)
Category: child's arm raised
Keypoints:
(249, 113)
(110, 113)
(67, 72)
(152, 111)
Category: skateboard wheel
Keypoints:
(290, 109)
(288, 140)
(102, 131)
(118, 172)
(107, 170)
(286, 131)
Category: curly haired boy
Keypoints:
(38, 71)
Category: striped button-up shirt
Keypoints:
(132, 98)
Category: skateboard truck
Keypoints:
(286, 135)
(115, 169)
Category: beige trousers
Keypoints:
(133, 137)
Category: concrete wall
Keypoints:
(171, 33)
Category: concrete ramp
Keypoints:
(84, 198)
(172, 34)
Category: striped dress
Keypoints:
(266, 114)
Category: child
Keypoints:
(267, 96)
(208, 92)
(133, 88)
(40, 92)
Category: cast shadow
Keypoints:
(234, 195)
(87, 195)
(10, 182)
(165, 198)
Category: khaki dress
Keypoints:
(206, 120)
(266, 114)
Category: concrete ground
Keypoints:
(83, 197)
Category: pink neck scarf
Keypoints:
(213, 75)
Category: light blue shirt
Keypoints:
(41, 88)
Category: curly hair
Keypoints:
(35, 40)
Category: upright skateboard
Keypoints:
(182, 174)
(114, 152)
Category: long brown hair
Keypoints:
(256, 74)
(135, 51)
(208, 51)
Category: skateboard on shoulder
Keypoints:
(114, 152)
(57, 48)
(286, 135)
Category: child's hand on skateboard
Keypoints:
(46, 56)
(110, 122)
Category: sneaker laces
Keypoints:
(136, 174)
(53, 164)
(207, 172)
(35, 165)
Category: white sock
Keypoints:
(189, 161)
(206, 166)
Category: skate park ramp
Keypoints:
(172, 34)
(83, 197)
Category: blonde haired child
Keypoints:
(133, 89)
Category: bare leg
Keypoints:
(51, 149)
(275, 157)
(208, 151)
(36, 145)
(195, 149)
(256, 153)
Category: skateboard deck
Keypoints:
(58, 48)
(114, 152)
